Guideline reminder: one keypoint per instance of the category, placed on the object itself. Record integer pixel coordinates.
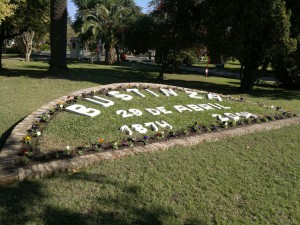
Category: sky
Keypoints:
(72, 8)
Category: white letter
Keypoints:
(163, 110)
(193, 94)
(120, 96)
(156, 95)
(206, 106)
(195, 107)
(246, 115)
(181, 108)
(136, 91)
(168, 92)
(152, 125)
(82, 110)
(126, 129)
(232, 116)
(105, 103)
(163, 124)
(139, 128)
(220, 117)
(224, 107)
(154, 112)
(214, 96)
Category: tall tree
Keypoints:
(6, 9)
(24, 19)
(251, 31)
(58, 36)
(177, 28)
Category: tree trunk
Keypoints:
(27, 38)
(248, 78)
(162, 71)
(1, 48)
(58, 36)
(111, 56)
(118, 54)
(106, 54)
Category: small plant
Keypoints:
(36, 133)
(172, 133)
(145, 139)
(214, 127)
(27, 140)
(185, 132)
(207, 128)
(196, 128)
(159, 135)
(100, 142)
(224, 124)
(264, 119)
(67, 151)
(232, 123)
(51, 111)
(114, 144)
(80, 152)
(247, 121)
(45, 117)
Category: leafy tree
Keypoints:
(6, 9)
(24, 19)
(139, 35)
(177, 28)
(58, 36)
(287, 64)
(106, 20)
(251, 31)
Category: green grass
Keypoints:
(68, 129)
(252, 179)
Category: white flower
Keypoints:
(38, 133)
(67, 147)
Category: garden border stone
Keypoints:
(11, 173)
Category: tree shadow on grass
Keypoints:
(135, 72)
(17, 200)
(125, 206)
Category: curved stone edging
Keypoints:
(10, 173)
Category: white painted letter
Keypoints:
(156, 95)
(214, 96)
(152, 125)
(181, 108)
(104, 103)
(154, 112)
(193, 94)
(220, 117)
(232, 116)
(168, 92)
(126, 129)
(195, 107)
(139, 128)
(120, 96)
(246, 115)
(163, 110)
(163, 124)
(82, 110)
(136, 91)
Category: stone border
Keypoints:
(10, 173)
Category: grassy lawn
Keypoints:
(251, 179)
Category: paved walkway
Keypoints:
(10, 173)
(196, 69)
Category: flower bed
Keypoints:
(158, 113)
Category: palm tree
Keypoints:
(58, 38)
(105, 22)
